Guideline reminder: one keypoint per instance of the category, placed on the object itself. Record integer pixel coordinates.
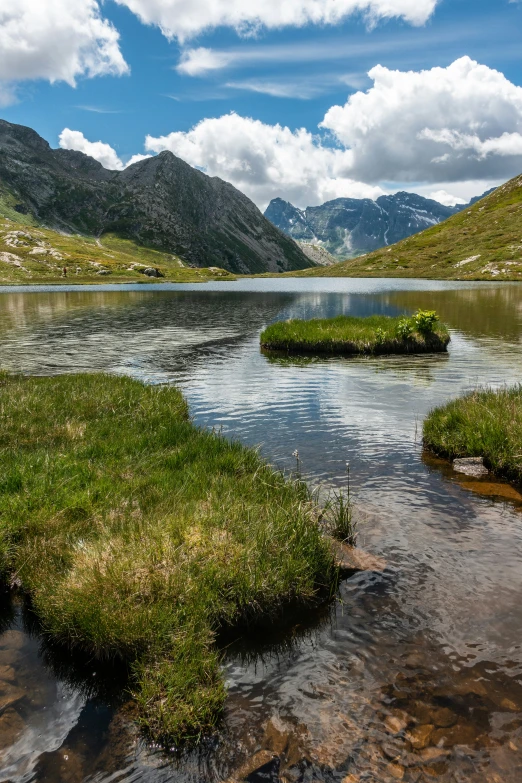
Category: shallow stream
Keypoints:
(414, 674)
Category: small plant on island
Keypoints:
(138, 536)
(344, 335)
(484, 423)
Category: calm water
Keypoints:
(414, 674)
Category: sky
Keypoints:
(306, 100)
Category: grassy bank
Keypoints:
(484, 423)
(138, 535)
(377, 334)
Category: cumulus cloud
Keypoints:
(99, 150)
(443, 197)
(462, 122)
(265, 161)
(58, 40)
(182, 20)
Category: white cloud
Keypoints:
(265, 161)
(443, 197)
(302, 88)
(99, 150)
(182, 20)
(58, 40)
(196, 62)
(462, 122)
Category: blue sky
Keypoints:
(290, 76)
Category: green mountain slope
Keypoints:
(30, 254)
(484, 242)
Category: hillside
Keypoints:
(160, 203)
(33, 255)
(484, 242)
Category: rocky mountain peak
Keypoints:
(160, 202)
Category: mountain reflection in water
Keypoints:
(413, 674)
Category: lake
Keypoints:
(434, 642)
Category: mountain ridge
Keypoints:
(160, 202)
(348, 228)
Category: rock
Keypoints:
(104, 272)
(459, 734)
(392, 752)
(353, 559)
(13, 640)
(396, 723)
(419, 736)
(432, 754)
(8, 657)
(9, 694)
(11, 726)
(471, 466)
(255, 763)
(395, 771)
(350, 779)
(7, 674)
(443, 717)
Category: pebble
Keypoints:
(395, 771)
(420, 735)
(396, 723)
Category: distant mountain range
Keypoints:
(350, 227)
(160, 203)
(483, 241)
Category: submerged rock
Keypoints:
(350, 558)
(471, 466)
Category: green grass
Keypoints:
(139, 536)
(484, 242)
(377, 334)
(484, 423)
(31, 255)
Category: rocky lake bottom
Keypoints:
(413, 673)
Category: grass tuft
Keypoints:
(346, 335)
(139, 536)
(484, 423)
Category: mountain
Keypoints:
(483, 242)
(161, 203)
(348, 227)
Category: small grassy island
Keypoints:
(345, 335)
(138, 536)
(484, 423)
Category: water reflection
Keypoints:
(414, 673)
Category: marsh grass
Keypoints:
(377, 334)
(484, 423)
(139, 536)
(339, 517)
